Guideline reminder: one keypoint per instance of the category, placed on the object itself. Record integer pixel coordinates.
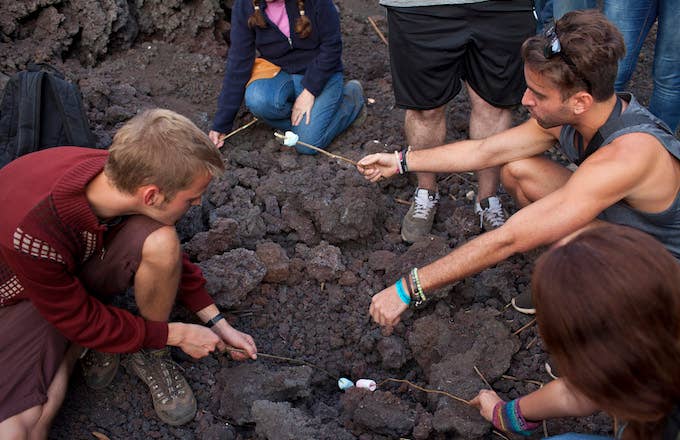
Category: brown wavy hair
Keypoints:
(593, 44)
(302, 26)
(608, 310)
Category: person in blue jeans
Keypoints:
(300, 43)
(634, 18)
(607, 306)
(549, 10)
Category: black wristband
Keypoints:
(215, 320)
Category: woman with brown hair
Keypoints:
(297, 83)
(608, 309)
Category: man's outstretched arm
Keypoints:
(525, 140)
(605, 178)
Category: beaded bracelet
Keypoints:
(419, 287)
(508, 417)
(403, 296)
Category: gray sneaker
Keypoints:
(99, 368)
(524, 303)
(418, 220)
(491, 213)
(173, 399)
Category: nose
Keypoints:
(527, 99)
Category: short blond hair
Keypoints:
(162, 148)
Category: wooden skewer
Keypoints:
(228, 135)
(524, 327)
(479, 373)
(334, 156)
(377, 30)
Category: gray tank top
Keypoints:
(665, 225)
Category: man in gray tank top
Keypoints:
(628, 161)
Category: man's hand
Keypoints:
(302, 106)
(485, 401)
(215, 137)
(195, 340)
(386, 307)
(379, 165)
(232, 337)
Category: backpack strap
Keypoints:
(69, 104)
(30, 97)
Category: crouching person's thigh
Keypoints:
(31, 352)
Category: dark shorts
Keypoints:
(31, 349)
(433, 48)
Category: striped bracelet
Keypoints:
(508, 417)
(419, 289)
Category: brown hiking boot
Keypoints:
(99, 368)
(418, 220)
(173, 399)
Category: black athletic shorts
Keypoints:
(432, 48)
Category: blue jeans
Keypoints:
(634, 18)
(335, 108)
(572, 436)
(546, 10)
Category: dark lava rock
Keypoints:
(275, 259)
(449, 351)
(241, 386)
(381, 260)
(280, 421)
(220, 238)
(379, 412)
(232, 275)
(325, 262)
(393, 352)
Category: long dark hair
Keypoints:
(608, 310)
(303, 25)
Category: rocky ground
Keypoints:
(294, 246)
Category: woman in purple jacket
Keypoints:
(307, 95)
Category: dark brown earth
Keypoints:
(294, 246)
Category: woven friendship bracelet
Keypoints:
(508, 417)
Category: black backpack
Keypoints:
(41, 109)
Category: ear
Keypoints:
(150, 195)
(581, 102)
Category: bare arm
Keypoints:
(525, 140)
(605, 178)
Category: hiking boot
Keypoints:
(173, 399)
(356, 91)
(99, 368)
(524, 303)
(491, 213)
(418, 220)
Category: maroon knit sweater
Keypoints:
(47, 230)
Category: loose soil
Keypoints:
(293, 247)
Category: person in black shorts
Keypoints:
(432, 49)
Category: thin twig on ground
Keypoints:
(377, 31)
(524, 327)
(402, 201)
(459, 399)
(283, 358)
(479, 373)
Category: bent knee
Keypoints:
(22, 425)
(162, 246)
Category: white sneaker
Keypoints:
(491, 213)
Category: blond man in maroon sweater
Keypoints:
(80, 225)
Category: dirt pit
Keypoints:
(293, 247)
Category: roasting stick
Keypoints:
(238, 130)
(377, 30)
(281, 137)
